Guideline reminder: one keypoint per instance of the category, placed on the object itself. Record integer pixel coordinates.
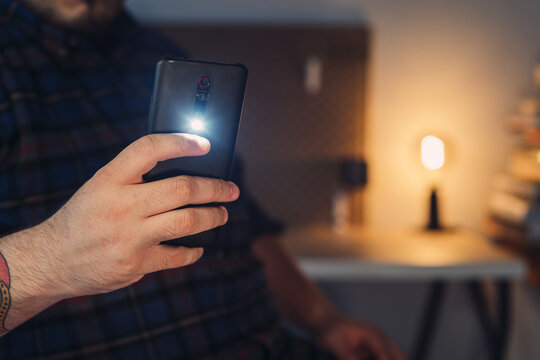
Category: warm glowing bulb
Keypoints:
(432, 152)
(197, 124)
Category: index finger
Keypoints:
(378, 347)
(171, 193)
(142, 155)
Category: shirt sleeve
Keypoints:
(259, 221)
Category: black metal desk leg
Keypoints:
(429, 320)
(495, 328)
(504, 315)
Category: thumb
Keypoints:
(142, 155)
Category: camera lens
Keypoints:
(204, 82)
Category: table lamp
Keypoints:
(433, 159)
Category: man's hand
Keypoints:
(353, 340)
(107, 236)
(304, 305)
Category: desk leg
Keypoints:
(495, 329)
(429, 320)
(504, 315)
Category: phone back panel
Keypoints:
(183, 103)
(176, 108)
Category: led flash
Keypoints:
(197, 124)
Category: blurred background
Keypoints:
(391, 72)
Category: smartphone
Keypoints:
(203, 98)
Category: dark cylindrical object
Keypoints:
(433, 223)
(353, 173)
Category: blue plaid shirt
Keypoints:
(68, 105)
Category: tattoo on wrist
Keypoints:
(5, 299)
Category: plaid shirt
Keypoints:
(68, 105)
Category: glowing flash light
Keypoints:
(432, 152)
(197, 124)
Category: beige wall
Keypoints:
(454, 68)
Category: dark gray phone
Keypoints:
(203, 98)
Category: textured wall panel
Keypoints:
(292, 141)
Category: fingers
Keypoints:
(184, 222)
(141, 156)
(364, 341)
(379, 348)
(371, 339)
(164, 195)
(397, 354)
(162, 257)
(384, 349)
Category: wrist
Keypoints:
(34, 265)
(25, 277)
(51, 263)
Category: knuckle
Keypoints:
(124, 263)
(103, 175)
(114, 213)
(184, 187)
(147, 145)
(186, 222)
(164, 262)
(182, 142)
(219, 189)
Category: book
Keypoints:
(529, 105)
(527, 115)
(516, 215)
(514, 239)
(505, 183)
(524, 164)
(505, 233)
(522, 122)
(531, 137)
(510, 208)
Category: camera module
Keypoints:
(204, 82)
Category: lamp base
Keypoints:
(433, 222)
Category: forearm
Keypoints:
(108, 235)
(25, 277)
(297, 297)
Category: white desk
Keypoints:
(406, 254)
(401, 254)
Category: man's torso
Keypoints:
(67, 107)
